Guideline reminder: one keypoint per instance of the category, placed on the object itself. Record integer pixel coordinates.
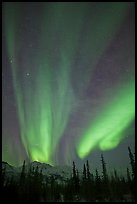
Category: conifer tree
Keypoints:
(105, 181)
(84, 173)
(77, 182)
(97, 187)
(74, 170)
(128, 175)
(132, 162)
(104, 170)
(88, 171)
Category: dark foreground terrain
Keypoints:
(43, 183)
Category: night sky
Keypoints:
(68, 82)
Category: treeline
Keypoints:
(33, 186)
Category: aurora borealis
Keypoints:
(68, 80)
(108, 129)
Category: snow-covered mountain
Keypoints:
(59, 173)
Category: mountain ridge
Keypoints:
(59, 173)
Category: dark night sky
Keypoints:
(68, 82)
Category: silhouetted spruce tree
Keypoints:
(84, 173)
(89, 183)
(74, 178)
(88, 172)
(74, 170)
(77, 182)
(105, 183)
(104, 170)
(132, 162)
(84, 182)
(97, 189)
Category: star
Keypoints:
(28, 74)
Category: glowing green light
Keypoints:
(45, 104)
(106, 131)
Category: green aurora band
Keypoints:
(44, 111)
(107, 130)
